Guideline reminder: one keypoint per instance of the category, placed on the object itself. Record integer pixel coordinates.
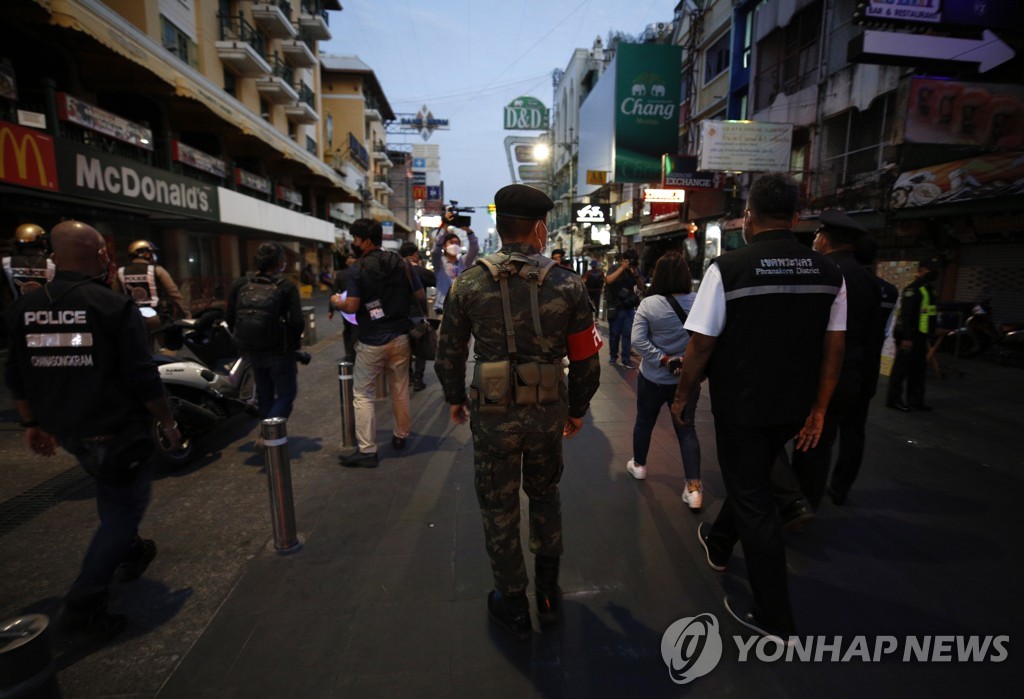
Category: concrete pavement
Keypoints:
(387, 595)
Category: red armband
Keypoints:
(584, 344)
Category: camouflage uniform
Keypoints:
(525, 443)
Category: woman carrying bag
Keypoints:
(660, 340)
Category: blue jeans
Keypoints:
(120, 507)
(276, 377)
(621, 330)
(650, 397)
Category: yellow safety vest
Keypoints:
(927, 312)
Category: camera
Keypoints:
(456, 214)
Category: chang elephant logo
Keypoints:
(691, 647)
(647, 98)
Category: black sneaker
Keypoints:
(141, 554)
(796, 516)
(512, 613)
(303, 358)
(716, 562)
(360, 459)
(397, 443)
(745, 616)
(626, 364)
(418, 385)
(92, 625)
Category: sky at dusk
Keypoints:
(466, 59)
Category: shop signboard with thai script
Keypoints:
(75, 111)
(193, 157)
(526, 114)
(745, 146)
(252, 181)
(96, 174)
(27, 158)
(592, 213)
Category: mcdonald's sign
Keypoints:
(27, 158)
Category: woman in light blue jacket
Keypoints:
(660, 340)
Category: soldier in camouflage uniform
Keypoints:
(520, 443)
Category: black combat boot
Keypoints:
(545, 584)
(510, 612)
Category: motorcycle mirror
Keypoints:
(147, 311)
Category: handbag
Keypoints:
(628, 299)
(422, 335)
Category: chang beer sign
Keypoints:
(526, 114)
(646, 109)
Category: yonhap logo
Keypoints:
(691, 647)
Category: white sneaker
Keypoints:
(638, 471)
(694, 494)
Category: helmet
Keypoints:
(29, 234)
(142, 247)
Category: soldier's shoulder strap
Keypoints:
(532, 267)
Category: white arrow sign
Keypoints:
(988, 52)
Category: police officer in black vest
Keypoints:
(915, 323)
(149, 284)
(767, 326)
(82, 378)
(30, 266)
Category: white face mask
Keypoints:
(453, 249)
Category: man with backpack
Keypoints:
(381, 288)
(265, 315)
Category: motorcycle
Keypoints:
(206, 382)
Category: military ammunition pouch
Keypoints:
(497, 385)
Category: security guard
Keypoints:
(149, 284)
(30, 266)
(76, 338)
(914, 325)
(767, 326)
(525, 314)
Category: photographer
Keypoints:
(622, 296)
(446, 257)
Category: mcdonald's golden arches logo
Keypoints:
(27, 158)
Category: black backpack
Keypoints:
(259, 317)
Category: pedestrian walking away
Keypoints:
(524, 314)
(76, 337)
(765, 388)
(411, 254)
(594, 280)
(915, 323)
(265, 315)
(660, 339)
(380, 291)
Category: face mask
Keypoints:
(453, 249)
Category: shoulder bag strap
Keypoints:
(412, 289)
(677, 308)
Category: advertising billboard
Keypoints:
(951, 112)
(745, 146)
(526, 114)
(27, 158)
(646, 109)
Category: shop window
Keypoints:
(854, 141)
(178, 43)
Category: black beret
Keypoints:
(839, 224)
(520, 201)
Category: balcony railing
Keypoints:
(306, 94)
(275, 16)
(282, 70)
(238, 29)
(278, 87)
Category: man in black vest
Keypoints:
(767, 326)
(149, 284)
(915, 323)
(82, 378)
(29, 267)
(380, 292)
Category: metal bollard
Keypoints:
(279, 479)
(348, 413)
(309, 333)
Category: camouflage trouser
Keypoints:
(502, 460)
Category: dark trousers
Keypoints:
(851, 444)
(910, 367)
(812, 466)
(620, 333)
(595, 300)
(746, 456)
(121, 501)
(350, 335)
(504, 461)
(650, 399)
(276, 377)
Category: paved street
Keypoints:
(387, 596)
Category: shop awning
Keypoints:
(662, 229)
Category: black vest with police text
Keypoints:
(778, 298)
(27, 272)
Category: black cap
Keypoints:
(520, 201)
(839, 224)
